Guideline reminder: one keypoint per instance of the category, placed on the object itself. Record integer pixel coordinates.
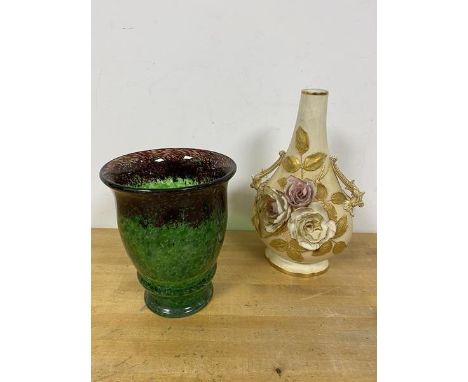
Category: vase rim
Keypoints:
(314, 91)
(124, 163)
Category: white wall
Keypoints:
(227, 76)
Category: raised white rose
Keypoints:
(310, 226)
(273, 209)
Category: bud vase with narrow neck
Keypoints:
(301, 212)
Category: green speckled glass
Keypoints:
(172, 213)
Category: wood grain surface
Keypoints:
(261, 324)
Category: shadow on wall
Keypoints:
(259, 153)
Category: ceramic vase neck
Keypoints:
(312, 117)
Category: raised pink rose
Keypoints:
(299, 192)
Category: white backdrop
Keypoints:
(226, 76)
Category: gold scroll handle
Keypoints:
(355, 200)
(257, 179)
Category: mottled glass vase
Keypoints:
(172, 213)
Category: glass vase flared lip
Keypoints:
(104, 175)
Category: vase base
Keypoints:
(180, 306)
(293, 268)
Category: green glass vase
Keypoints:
(172, 214)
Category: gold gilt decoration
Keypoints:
(339, 247)
(324, 248)
(321, 193)
(315, 92)
(331, 211)
(282, 182)
(292, 248)
(256, 223)
(314, 162)
(279, 231)
(257, 179)
(355, 200)
(341, 226)
(338, 198)
(330, 246)
(279, 244)
(323, 171)
(302, 140)
(303, 275)
(291, 164)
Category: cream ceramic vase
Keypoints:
(301, 211)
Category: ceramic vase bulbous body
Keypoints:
(172, 213)
(301, 212)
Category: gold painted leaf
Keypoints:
(282, 182)
(338, 198)
(256, 224)
(278, 232)
(331, 211)
(341, 226)
(302, 140)
(293, 244)
(321, 192)
(314, 161)
(279, 245)
(324, 249)
(291, 164)
(339, 247)
(294, 254)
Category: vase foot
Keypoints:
(178, 300)
(179, 306)
(293, 268)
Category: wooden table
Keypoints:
(261, 325)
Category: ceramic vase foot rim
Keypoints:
(295, 269)
(152, 304)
